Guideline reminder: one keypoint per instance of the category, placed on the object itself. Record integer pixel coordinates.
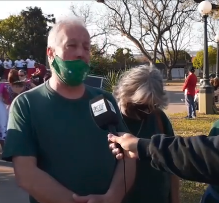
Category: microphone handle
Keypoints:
(112, 130)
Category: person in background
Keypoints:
(40, 72)
(30, 66)
(53, 156)
(9, 91)
(216, 85)
(14, 88)
(7, 67)
(189, 86)
(141, 97)
(19, 63)
(212, 82)
(47, 76)
(3, 117)
(22, 75)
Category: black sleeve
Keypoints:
(192, 158)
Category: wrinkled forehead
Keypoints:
(73, 33)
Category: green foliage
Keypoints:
(25, 34)
(99, 64)
(124, 59)
(180, 55)
(9, 34)
(111, 79)
(212, 56)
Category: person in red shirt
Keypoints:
(40, 72)
(189, 89)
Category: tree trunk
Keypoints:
(169, 73)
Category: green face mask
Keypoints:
(72, 73)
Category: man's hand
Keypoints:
(127, 141)
(94, 199)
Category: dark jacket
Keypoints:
(192, 158)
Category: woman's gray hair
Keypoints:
(142, 85)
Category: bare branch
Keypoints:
(148, 24)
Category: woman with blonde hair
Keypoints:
(141, 97)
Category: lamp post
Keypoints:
(217, 65)
(206, 90)
(125, 51)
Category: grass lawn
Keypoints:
(192, 191)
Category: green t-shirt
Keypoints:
(151, 185)
(215, 132)
(63, 137)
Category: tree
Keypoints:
(34, 32)
(124, 60)
(25, 34)
(212, 55)
(9, 34)
(100, 64)
(99, 27)
(154, 26)
(182, 56)
(198, 60)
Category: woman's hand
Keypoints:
(128, 142)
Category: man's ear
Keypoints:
(50, 53)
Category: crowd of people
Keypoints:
(29, 65)
(16, 83)
(61, 155)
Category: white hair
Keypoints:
(66, 21)
(142, 85)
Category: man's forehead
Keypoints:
(74, 32)
(74, 40)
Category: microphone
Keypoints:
(104, 115)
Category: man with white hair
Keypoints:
(58, 152)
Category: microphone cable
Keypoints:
(124, 173)
(114, 132)
(124, 164)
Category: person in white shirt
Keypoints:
(30, 66)
(7, 67)
(19, 63)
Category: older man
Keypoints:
(56, 148)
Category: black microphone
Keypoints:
(104, 115)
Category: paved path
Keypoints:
(10, 193)
(175, 95)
